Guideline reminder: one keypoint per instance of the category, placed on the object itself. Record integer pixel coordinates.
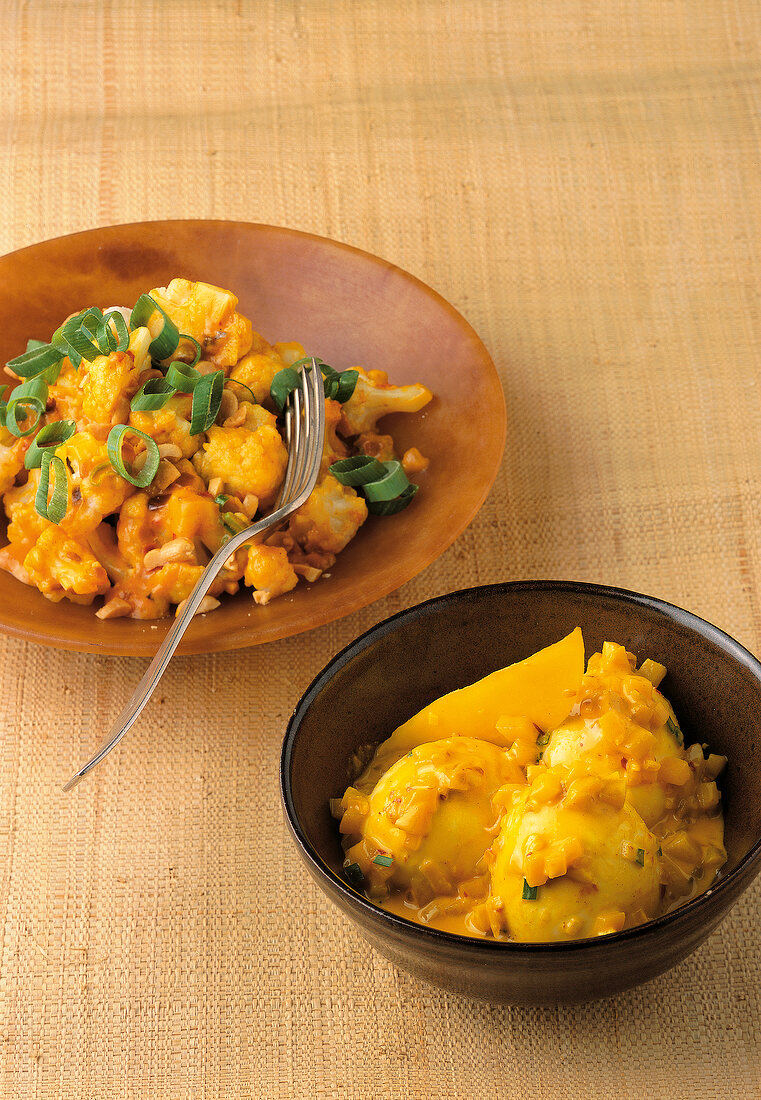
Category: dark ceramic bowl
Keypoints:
(412, 658)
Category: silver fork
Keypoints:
(305, 436)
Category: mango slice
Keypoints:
(542, 688)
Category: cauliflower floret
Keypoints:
(182, 513)
(183, 521)
(269, 572)
(207, 313)
(26, 524)
(249, 459)
(334, 447)
(62, 566)
(330, 518)
(257, 369)
(170, 424)
(112, 380)
(12, 452)
(373, 398)
(95, 488)
(66, 392)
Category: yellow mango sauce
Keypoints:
(542, 803)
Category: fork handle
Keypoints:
(155, 670)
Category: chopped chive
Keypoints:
(543, 741)
(529, 892)
(673, 727)
(640, 857)
(354, 875)
(383, 861)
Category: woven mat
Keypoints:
(579, 179)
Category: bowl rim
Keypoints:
(406, 927)
(237, 630)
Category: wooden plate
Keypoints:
(345, 305)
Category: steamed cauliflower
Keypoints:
(208, 314)
(171, 424)
(373, 398)
(330, 518)
(110, 381)
(269, 572)
(62, 566)
(248, 459)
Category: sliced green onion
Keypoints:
(385, 484)
(640, 857)
(152, 395)
(192, 340)
(58, 341)
(354, 875)
(165, 343)
(245, 387)
(54, 509)
(383, 861)
(543, 740)
(48, 438)
(183, 376)
(358, 470)
(391, 507)
(207, 397)
(79, 332)
(108, 339)
(283, 384)
(390, 486)
(221, 500)
(233, 524)
(673, 728)
(347, 383)
(529, 892)
(36, 359)
(26, 399)
(338, 385)
(114, 445)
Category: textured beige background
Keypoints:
(581, 179)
